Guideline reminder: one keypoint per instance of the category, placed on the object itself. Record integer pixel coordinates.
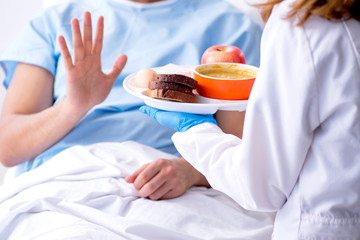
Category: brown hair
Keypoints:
(329, 9)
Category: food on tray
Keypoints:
(175, 87)
(143, 77)
(219, 53)
(229, 73)
(225, 81)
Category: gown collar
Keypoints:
(146, 5)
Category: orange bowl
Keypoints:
(227, 81)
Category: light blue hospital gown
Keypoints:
(175, 32)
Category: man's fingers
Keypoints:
(145, 176)
(77, 41)
(130, 179)
(65, 53)
(155, 188)
(99, 34)
(134, 175)
(162, 192)
(87, 38)
(118, 66)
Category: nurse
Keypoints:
(300, 151)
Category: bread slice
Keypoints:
(170, 86)
(178, 79)
(174, 87)
(171, 95)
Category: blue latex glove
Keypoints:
(177, 120)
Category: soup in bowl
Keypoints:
(227, 81)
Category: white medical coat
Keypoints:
(300, 152)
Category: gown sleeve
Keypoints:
(260, 171)
(33, 45)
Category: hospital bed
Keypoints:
(81, 194)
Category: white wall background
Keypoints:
(13, 15)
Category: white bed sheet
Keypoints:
(81, 194)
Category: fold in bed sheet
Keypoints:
(81, 194)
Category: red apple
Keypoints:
(223, 54)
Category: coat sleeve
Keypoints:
(260, 171)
